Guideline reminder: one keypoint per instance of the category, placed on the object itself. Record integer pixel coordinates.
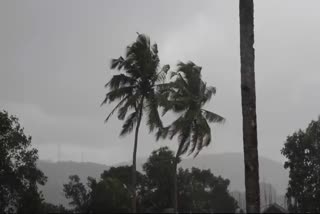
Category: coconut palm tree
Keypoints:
(248, 94)
(134, 90)
(187, 94)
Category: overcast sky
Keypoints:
(55, 55)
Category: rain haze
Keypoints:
(55, 60)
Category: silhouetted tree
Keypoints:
(51, 208)
(302, 151)
(77, 192)
(123, 174)
(19, 175)
(248, 95)
(135, 89)
(159, 173)
(109, 194)
(187, 94)
(201, 191)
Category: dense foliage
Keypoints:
(19, 175)
(302, 151)
(199, 190)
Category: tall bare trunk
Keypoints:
(134, 160)
(248, 94)
(175, 180)
(175, 188)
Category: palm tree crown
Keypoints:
(187, 94)
(136, 84)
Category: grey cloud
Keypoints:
(55, 56)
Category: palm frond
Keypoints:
(162, 133)
(153, 118)
(206, 137)
(176, 126)
(185, 133)
(143, 40)
(186, 94)
(155, 48)
(115, 108)
(118, 93)
(184, 147)
(196, 135)
(131, 103)
(117, 63)
(120, 80)
(212, 117)
(208, 93)
(188, 69)
(165, 68)
(129, 123)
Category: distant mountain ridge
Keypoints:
(229, 165)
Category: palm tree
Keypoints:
(187, 94)
(134, 89)
(248, 94)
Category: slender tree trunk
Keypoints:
(175, 181)
(175, 188)
(248, 94)
(134, 159)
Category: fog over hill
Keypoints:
(229, 166)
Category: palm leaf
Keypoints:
(115, 108)
(129, 123)
(120, 80)
(117, 63)
(212, 117)
(153, 118)
(131, 103)
(118, 93)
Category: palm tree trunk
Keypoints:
(134, 160)
(175, 181)
(248, 94)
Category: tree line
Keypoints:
(198, 190)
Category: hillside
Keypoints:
(227, 165)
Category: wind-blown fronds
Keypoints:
(129, 123)
(186, 94)
(140, 76)
(212, 117)
(120, 80)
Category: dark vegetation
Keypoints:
(199, 190)
(302, 150)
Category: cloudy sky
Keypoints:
(55, 55)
